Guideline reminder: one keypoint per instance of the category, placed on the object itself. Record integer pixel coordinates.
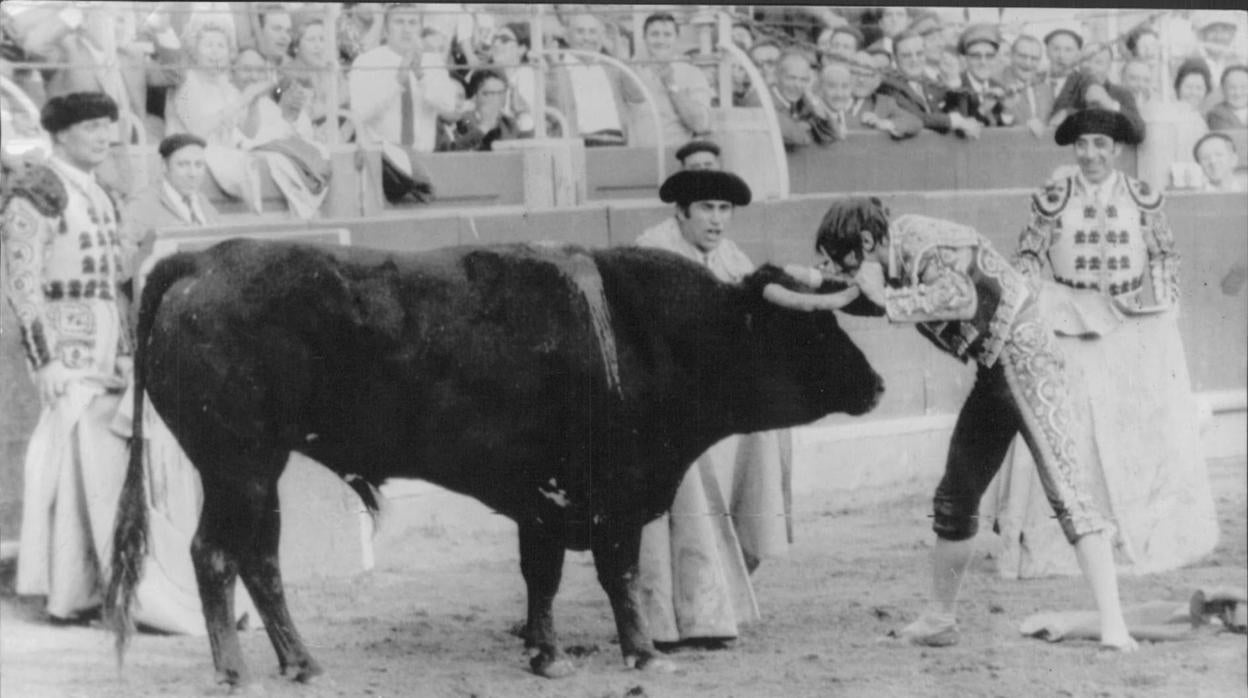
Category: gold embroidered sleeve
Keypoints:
(24, 231)
(1163, 258)
(1033, 244)
(944, 290)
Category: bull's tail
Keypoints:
(131, 530)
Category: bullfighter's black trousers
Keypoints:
(1025, 391)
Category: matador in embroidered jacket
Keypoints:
(1111, 237)
(968, 300)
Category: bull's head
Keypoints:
(806, 344)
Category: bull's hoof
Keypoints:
(250, 688)
(303, 672)
(552, 667)
(649, 662)
(233, 678)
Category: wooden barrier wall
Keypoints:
(1212, 232)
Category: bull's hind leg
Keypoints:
(616, 549)
(541, 563)
(215, 557)
(258, 566)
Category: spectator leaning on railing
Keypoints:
(1232, 111)
(1063, 47)
(803, 118)
(1034, 100)
(835, 89)
(872, 110)
(920, 96)
(679, 90)
(978, 46)
(1216, 154)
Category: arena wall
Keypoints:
(900, 446)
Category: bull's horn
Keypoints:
(806, 276)
(807, 302)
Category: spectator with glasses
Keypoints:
(986, 97)
(509, 54)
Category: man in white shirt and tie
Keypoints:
(396, 95)
(176, 200)
(1031, 100)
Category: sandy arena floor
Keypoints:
(432, 620)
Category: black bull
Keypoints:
(565, 388)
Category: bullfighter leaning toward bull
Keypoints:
(967, 299)
(732, 509)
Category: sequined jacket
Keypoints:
(947, 278)
(1103, 246)
(63, 257)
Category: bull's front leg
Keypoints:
(616, 549)
(541, 563)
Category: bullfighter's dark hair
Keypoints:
(655, 18)
(839, 231)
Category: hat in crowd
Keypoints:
(64, 111)
(979, 33)
(1102, 121)
(851, 30)
(696, 147)
(688, 186)
(1068, 32)
(178, 141)
(1203, 19)
(1230, 69)
(925, 25)
(1213, 135)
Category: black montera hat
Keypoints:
(178, 141)
(1109, 123)
(688, 186)
(696, 147)
(64, 111)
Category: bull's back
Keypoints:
(454, 366)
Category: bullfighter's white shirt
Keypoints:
(727, 262)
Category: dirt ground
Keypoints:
(432, 620)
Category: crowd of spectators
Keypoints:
(263, 83)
